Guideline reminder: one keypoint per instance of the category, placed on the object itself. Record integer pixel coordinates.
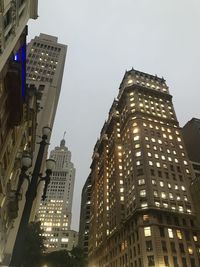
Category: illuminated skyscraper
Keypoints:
(56, 211)
(141, 208)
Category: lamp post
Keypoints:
(16, 260)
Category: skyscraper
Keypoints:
(56, 211)
(45, 67)
(141, 208)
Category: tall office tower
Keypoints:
(56, 211)
(141, 209)
(191, 136)
(17, 109)
(85, 216)
(45, 67)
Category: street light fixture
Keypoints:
(31, 193)
(50, 165)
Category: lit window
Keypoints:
(130, 81)
(147, 231)
(169, 185)
(136, 138)
(165, 205)
(122, 198)
(145, 218)
(158, 164)
(171, 196)
(195, 238)
(170, 233)
(161, 183)
(180, 208)
(144, 204)
(190, 250)
(150, 163)
(141, 181)
(176, 187)
(155, 193)
(138, 154)
(153, 182)
(157, 204)
(135, 130)
(163, 195)
(179, 235)
(143, 193)
(183, 188)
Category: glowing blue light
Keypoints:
(16, 57)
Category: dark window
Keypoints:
(175, 262)
(151, 260)
(181, 246)
(187, 235)
(164, 247)
(173, 247)
(166, 260)
(184, 262)
(152, 172)
(162, 231)
(167, 175)
(7, 18)
(176, 221)
(149, 245)
(184, 222)
(140, 172)
(192, 261)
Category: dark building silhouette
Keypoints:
(85, 216)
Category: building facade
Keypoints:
(14, 16)
(55, 211)
(141, 208)
(46, 94)
(85, 216)
(17, 109)
(191, 136)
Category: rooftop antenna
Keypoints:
(64, 134)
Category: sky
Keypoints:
(105, 38)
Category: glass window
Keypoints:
(179, 234)
(170, 233)
(151, 261)
(147, 231)
(149, 245)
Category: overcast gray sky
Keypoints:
(105, 38)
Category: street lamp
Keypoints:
(50, 165)
(16, 259)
